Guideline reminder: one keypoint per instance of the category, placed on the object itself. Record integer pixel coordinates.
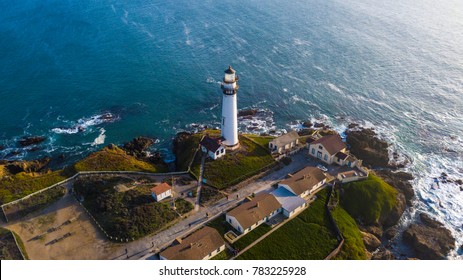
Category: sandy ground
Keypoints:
(60, 219)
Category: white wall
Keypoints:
(229, 119)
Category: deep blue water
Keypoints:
(395, 65)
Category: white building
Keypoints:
(304, 182)
(291, 204)
(327, 147)
(213, 147)
(161, 191)
(229, 109)
(251, 214)
(284, 142)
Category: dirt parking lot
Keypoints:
(63, 231)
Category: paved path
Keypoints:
(200, 181)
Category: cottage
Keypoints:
(329, 149)
(304, 182)
(251, 214)
(213, 147)
(291, 204)
(284, 142)
(200, 245)
(161, 191)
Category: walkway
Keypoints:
(200, 181)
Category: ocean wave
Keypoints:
(82, 124)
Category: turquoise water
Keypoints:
(155, 66)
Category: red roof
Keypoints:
(332, 143)
(162, 188)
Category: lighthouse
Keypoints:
(229, 109)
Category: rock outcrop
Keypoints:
(137, 146)
(371, 242)
(39, 165)
(365, 144)
(396, 212)
(31, 140)
(400, 181)
(383, 254)
(247, 112)
(430, 239)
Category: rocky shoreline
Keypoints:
(428, 238)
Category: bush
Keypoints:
(129, 214)
(286, 160)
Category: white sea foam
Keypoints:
(83, 123)
(100, 139)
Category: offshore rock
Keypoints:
(247, 113)
(31, 140)
(430, 239)
(307, 124)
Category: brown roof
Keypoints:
(195, 246)
(255, 210)
(211, 144)
(332, 143)
(161, 188)
(304, 179)
(286, 138)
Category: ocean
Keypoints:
(154, 67)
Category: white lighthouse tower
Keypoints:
(229, 109)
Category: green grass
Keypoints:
(19, 185)
(353, 248)
(369, 201)
(115, 159)
(307, 236)
(252, 236)
(131, 214)
(235, 166)
(261, 140)
(220, 225)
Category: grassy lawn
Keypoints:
(220, 225)
(353, 248)
(129, 214)
(115, 159)
(235, 166)
(308, 236)
(252, 236)
(369, 200)
(261, 140)
(8, 248)
(19, 185)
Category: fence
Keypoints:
(87, 173)
(335, 226)
(17, 245)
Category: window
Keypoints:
(313, 151)
(217, 153)
(218, 250)
(320, 147)
(229, 220)
(326, 157)
(223, 150)
(223, 121)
